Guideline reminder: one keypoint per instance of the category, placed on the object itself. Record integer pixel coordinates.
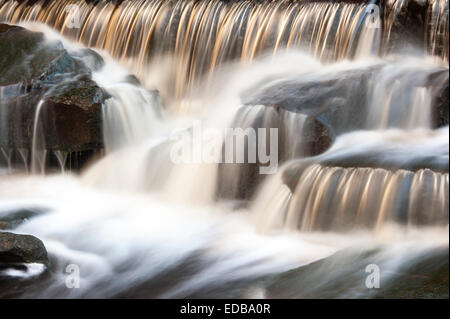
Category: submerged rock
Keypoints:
(16, 248)
(13, 218)
(343, 275)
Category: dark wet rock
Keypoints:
(13, 218)
(4, 225)
(425, 279)
(440, 91)
(409, 25)
(34, 70)
(71, 118)
(316, 138)
(16, 248)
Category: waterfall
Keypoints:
(398, 99)
(198, 37)
(358, 162)
(351, 192)
(38, 150)
(377, 193)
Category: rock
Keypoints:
(39, 72)
(71, 118)
(415, 24)
(295, 138)
(317, 138)
(22, 55)
(132, 79)
(16, 248)
(4, 225)
(12, 219)
(440, 92)
(405, 23)
(343, 275)
(426, 279)
(335, 101)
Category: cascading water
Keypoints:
(201, 36)
(197, 37)
(363, 166)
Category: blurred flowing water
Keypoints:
(139, 225)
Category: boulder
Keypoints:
(335, 101)
(17, 248)
(38, 72)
